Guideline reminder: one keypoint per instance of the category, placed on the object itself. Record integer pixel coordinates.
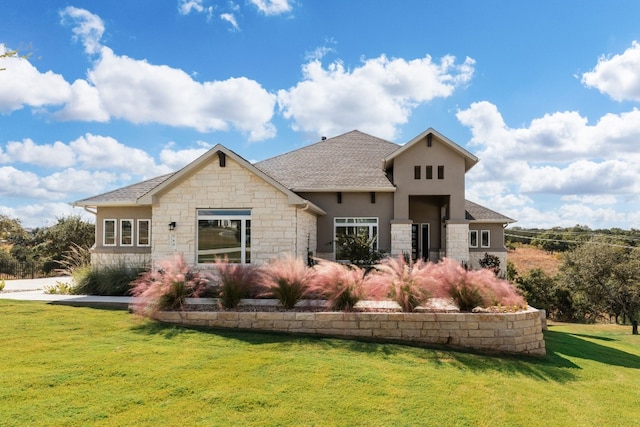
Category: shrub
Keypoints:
(2, 284)
(410, 283)
(60, 288)
(343, 285)
(235, 282)
(113, 280)
(358, 249)
(168, 287)
(286, 279)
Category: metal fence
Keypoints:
(20, 270)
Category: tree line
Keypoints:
(599, 275)
(46, 247)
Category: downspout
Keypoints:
(306, 206)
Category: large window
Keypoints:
(224, 233)
(144, 232)
(109, 232)
(365, 227)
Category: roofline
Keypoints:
(470, 159)
(494, 221)
(294, 199)
(121, 203)
(346, 190)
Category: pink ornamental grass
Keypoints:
(286, 279)
(167, 287)
(410, 283)
(344, 285)
(475, 288)
(235, 282)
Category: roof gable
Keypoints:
(123, 196)
(347, 162)
(469, 159)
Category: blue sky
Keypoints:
(546, 93)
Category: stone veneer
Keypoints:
(458, 241)
(400, 237)
(519, 332)
(277, 227)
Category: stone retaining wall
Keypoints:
(519, 332)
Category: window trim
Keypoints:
(471, 233)
(115, 232)
(122, 235)
(373, 223)
(148, 221)
(214, 214)
(488, 234)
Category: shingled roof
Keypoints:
(348, 162)
(126, 195)
(475, 212)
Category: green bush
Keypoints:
(2, 284)
(114, 280)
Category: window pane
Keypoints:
(126, 232)
(143, 233)
(485, 239)
(218, 238)
(473, 239)
(429, 172)
(109, 232)
(247, 242)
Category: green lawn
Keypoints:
(80, 366)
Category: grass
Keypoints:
(81, 366)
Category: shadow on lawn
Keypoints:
(555, 366)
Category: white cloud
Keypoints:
(103, 152)
(375, 97)
(231, 19)
(22, 84)
(186, 6)
(617, 76)
(48, 155)
(84, 104)
(44, 214)
(176, 159)
(140, 92)
(86, 26)
(78, 181)
(18, 183)
(273, 7)
(559, 157)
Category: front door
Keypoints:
(420, 241)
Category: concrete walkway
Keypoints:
(33, 290)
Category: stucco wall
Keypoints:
(506, 332)
(422, 155)
(353, 205)
(276, 226)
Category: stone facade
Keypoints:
(518, 333)
(457, 236)
(277, 227)
(400, 238)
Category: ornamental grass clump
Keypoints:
(234, 282)
(167, 287)
(344, 285)
(286, 279)
(476, 288)
(410, 283)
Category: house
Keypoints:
(408, 198)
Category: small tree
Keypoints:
(357, 249)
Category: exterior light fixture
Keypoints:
(172, 225)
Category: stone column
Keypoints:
(400, 237)
(458, 241)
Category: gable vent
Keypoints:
(222, 158)
(429, 139)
